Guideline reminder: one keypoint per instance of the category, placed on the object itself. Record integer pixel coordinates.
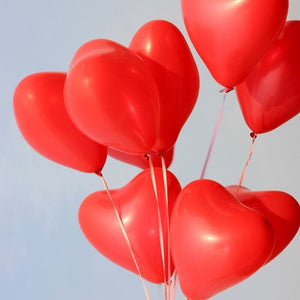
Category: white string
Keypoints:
(124, 234)
(164, 171)
(160, 228)
(214, 134)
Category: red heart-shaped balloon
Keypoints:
(168, 58)
(111, 96)
(43, 121)
(137, 207)
(270, 94)
(216, 241)
(142, 161)
(231, 36)
(280, 209)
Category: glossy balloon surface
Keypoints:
(43, 121)
(112, 98)
(168, 58)
(231, 36)
(280, 209)
(270, 95)
(138, 210)
(216, 241)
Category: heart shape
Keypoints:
(216, 241)
(270, 94)
(279, 208)
(231, 36)
(137, 207)
(44, 123)
(156, 90)
(168, 58)
(112, 98)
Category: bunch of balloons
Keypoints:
(132, 102)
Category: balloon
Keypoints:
(44, 123)
(270, 95)
(142, 161)
(138, 210)
(166, 54)
(90, 47)
(112, 98)
(216, 241)
(231, 36)
(279, 208)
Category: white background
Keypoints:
(43, 254)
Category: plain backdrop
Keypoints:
(43, 253)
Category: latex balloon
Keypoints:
(280, 209)
(142, 161)
(138, 210)
(90, 47)
(231, 36)
(44, 123)
(112, 98)
(270, 95)
(216, 242)
(167, 56)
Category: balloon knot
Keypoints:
(160, 153)
(253, 135)
(98, 173)
(226, 90)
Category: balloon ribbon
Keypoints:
(254, 136)
(164, 172)
(170, 293)
(167, 281)
(217, 126)
(124, 232)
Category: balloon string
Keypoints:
(226, 90)
(254, 136)
(160, 228)
(174, 286)
(124, 233)
(164, 171)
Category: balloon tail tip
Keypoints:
(98, 173)
(226, 90)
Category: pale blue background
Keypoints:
(43, 254)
